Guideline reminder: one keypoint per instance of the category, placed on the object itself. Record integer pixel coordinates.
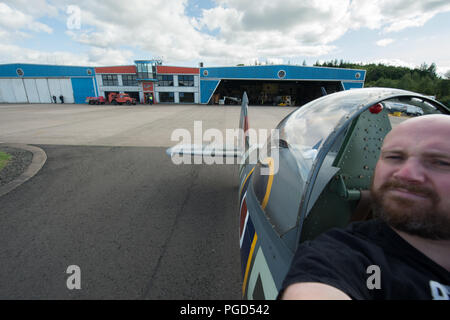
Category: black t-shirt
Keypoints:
(369, 260)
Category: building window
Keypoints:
(166, 97)
(129, 80)
(165, 81)
(186, 97)
(110, 80)
(145, 70)
(186, 81)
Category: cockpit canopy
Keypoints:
(331, 144)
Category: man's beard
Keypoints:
(420, 218)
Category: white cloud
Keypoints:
(93, 57)
(13, 53)
(384, 42)
(16, 20)
(406, 14)
(103, 57)
(34, 8)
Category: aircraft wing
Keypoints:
(204, 150)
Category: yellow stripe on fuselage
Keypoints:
(269, 183)
(249, 260)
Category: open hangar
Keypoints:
(275, 84)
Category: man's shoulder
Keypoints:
(361, 243)
(371, 232)
(339, 257)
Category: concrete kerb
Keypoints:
(38, 161)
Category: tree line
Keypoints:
(423, 79)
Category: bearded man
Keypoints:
(404, 252)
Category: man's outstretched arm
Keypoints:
(313, 291)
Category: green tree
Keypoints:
(432, 70)
(423, 79)
(406, 82)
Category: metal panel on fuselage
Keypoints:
(277, 256)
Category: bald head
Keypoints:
(434, 124)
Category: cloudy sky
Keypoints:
(225, 32)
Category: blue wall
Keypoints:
(292, 73)
(207, 88)
(44, 71)
(82, 88)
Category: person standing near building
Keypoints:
(61, 97)
(150, 98)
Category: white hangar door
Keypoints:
(12, 91)
(6, 91)
(67, 91)
(55, 88)
(37, 90)
(61, 87)
(19, 91)
(32, 91)
(43, 90)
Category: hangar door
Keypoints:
(6, 91)
(58, 87)
(12, 91)
(31, 89)
(35, 90)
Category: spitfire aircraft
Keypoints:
(326, 152)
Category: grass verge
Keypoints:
(4, 158)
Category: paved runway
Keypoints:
(142, 125)
(138, 226)
(110, 201)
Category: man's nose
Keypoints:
(410, 170)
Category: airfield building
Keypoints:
(265, 85)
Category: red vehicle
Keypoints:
(95, 100)
(120, 98)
